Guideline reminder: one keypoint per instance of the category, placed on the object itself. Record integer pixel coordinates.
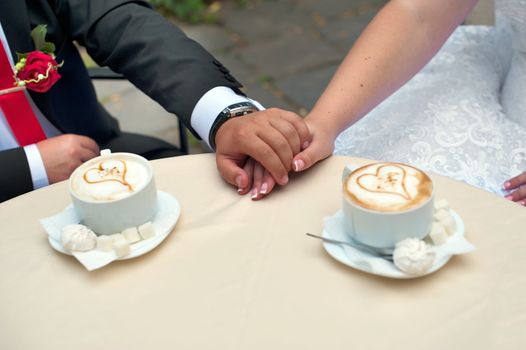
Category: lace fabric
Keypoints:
(514, 12)
(449, 119)
(513, 97)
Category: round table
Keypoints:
(239, 274)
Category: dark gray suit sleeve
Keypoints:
(15, 176)
(132, 39)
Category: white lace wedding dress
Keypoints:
(464, 114)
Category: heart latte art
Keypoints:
(109, 178)
(388, 187)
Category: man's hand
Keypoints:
(63, 154)
(271, 137)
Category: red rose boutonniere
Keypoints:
(37, 70)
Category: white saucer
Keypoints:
(363, 261)
(164, 221)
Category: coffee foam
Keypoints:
(388, 187)
(109, 178)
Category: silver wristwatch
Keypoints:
(235, 110)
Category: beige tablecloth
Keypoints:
(237, 274)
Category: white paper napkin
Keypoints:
(164, 222)
(455, 245)
(91, 260)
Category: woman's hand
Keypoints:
(518, 186)
(261, 182)
(321, 147)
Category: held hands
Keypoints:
(257, 151)
(320, 147)
(518, 187)
(63, 154)
(271, 138)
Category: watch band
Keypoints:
(235, 110)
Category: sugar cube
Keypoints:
(441, 204)
(104, 243)
(438, 233)
(117, 237)
(121, 248)
(441, 214)
(105, 152)
(147, 230)
(449, 224)
(131, 234)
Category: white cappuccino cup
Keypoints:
(113, 192)
(384, 203)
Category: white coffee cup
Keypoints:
(113, 192)
(384, 203)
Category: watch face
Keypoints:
(241, 113)
(242, 110)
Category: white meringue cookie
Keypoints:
(78, 238)
(413, 256)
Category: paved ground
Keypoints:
(283, 51)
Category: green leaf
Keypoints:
(48, 48)
(20, 55)
(39, 36)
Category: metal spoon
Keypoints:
(362, 247)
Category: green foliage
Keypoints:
(193, 11)
(38, 34)
(265, 78)
(189, 10)
(242, 3)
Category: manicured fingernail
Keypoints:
(510, 197)
(305, 144)
(285, 179)
(239, 190)
(254, 193)
(299, 165)
(238, 182)
(264, 188)
(507, 185)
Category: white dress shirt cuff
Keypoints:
(36, 166)
(210, 105)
